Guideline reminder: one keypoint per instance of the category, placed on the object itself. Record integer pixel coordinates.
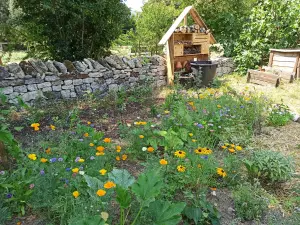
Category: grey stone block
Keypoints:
(67, 87)
(68, 82)
(96, 74)
(56, 88)
(34, 81)
(7, 90)
(43, 85)
(77, 82)
(113, 87)
(32, 87)
(66, 94)
(30, 96)
(47, 89)
(51, 78)
(88, 80)
(20, 89)
(73, 95)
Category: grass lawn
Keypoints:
(222, 155)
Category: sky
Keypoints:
(135, 5)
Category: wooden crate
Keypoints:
(263, 78)
(204, 48)
(199, 38)
(178, 50)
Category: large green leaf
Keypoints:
(147, 187)
(123, 197)
(93, 182)
(121, 177)
(91, 220)
(193, 213)
(166, 213)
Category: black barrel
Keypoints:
(206, 69)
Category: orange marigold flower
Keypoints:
(223, 147)
(118, 148)
(124, 157)
(163, 162)
(32, 157)
(52, 127)
(100, 148)
(75, 170)
(141, 136)
(91, 144)
(109, 185)
(89, 122)
(107, 140)
(48, 151)
(86, 134)
(101, 192)
(43, 160)
(118, 158)
(231, 150)
(150, 149)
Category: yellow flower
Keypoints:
(75, 170)
(180, 154)
(239, 148)
(19, 223)
(92, 144)
(199, 166)
(89, 123)
(107, 140)
(232, 145)
(141, 136)
(118, 148)
(191, 134)
(48, 151)
(143, 123)
(226, 144)
(247, 98)
(163, 162)
(100, 148)
(194, 140)
(81, 160)
(167, 112)
(103, 172)
(221, 172)
(86, 134)
(219, 106)
(52, 127)
(100, 153)
(191, 103)
(76, 194)
(181, 168)
(223, 147)
(203, 151)
(43, 160)
(150, 149)
(201, 96)
(118, 158)
(101, 192)
(32, 157)
(124, 157)
(109, 185)
(35, 126)
(231, 150)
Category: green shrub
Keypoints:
(279, 116)
(269, 166)
(249, 202)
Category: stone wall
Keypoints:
(225, 65)
(35, 79)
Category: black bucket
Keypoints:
(206, 69)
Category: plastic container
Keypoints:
(206, 69)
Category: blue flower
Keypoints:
(68, 169)
(204, 157)
(60, 159)
(53, 160)
(200, 125)
(77, 159)
(9, 195)
(92, 158)
(2, 172)
(42, 172)
(80, 139)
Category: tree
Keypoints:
(272, 24)
(153, 22)
(71, 29)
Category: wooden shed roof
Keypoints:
(194, 14)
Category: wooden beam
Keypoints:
(296, 64)
(174, 25)
(185, 22)
(271, 59)
(170, 60)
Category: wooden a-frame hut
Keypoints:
(186, 43)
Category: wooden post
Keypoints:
(185, 22)
(170, 60)
(271, 59)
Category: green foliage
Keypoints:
(272, 24)
(269, 166)
(279, 115)
(152, 23)
(92, 220)
(71, 29)
(166, 213)
(249, 202)
(121, 177)
(147, 187)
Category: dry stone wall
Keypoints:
(225, 65)
(35, 79)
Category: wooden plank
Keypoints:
(175, 25)
(264, 76)
(271, 59)
(296, 63)
(283, 68)
(178, 50)
(285, 50)
(170, 60)
(298, 71)
(191, 57)
(185, 21)
(285, 58)
(265, 83)
(286, 54)
(283, 64)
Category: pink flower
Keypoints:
(31, 186)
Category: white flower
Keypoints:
(81, 172)
(128, 125)
(144, 149)
(153, 125)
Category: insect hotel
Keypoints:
(283, 67)
(186, 43)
